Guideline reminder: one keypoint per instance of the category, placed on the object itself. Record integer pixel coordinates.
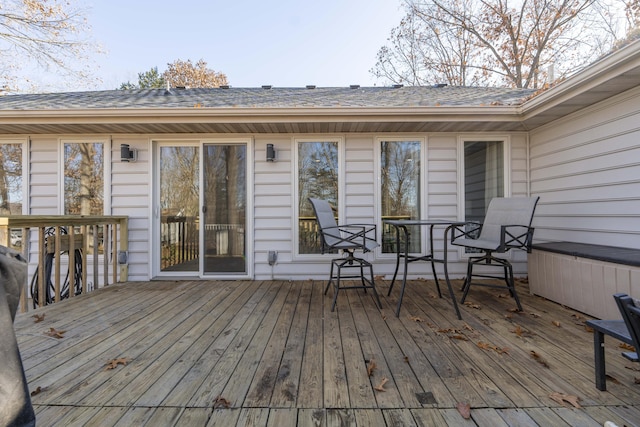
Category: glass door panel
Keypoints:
(224, 208)
(179, 213)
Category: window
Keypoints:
(483, 176)
(483, 179)
(84, 178)
(10, 179)
(400, 189)
(317, 177)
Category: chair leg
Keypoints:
(467, 281)
(326, 289)
(512, 287)
(336, 290)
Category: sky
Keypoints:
(283, 43)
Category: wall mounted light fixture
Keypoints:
(271, 153)
(127, 154)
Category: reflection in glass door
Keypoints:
(179, 202)
(224, 208)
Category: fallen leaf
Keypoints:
(472, 305)
(561, 398)
(522, 332)
(534, 315)
(503, 295)
(539, 358)
(467, 327)
(55, 334)
(38, 390)
(415, 318)
(459, 337)
(38, 318)
(221, 402)
(625, 346)
(406, 359)
(371, 366)
(380, 387)
(113, 363)
(612, 379)
(487, 346)
(464, 409)
(588, 329)
(636, 380)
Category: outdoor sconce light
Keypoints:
(271, 153)
(127, 154)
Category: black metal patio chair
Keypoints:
(626, 330)
(348, 239)
(506, 226)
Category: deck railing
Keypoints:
(58, 239)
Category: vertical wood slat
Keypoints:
(72, 261)
(85, 251)
(105, 252)
(56, 276)
(96, 276)
(25, 253)
(41, 255)
(114, 253)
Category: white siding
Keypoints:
(586, 170)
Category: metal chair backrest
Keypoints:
(507, 211)
(326, 221)
(631, 315)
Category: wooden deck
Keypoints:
(270, 353)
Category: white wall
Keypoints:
(586, 170)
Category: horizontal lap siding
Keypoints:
(586, 170)
(131, 195)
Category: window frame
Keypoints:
(24, 143)
(107, 146)
(339, 140)
(424, 194)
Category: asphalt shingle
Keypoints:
(263, 98)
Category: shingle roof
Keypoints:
(356, 97)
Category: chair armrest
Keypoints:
(515, 237)
(467, 230)
(357, 234)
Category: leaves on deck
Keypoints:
(556, 323)
(415, 319)
(38, 318)
(487, 346)
(221, 402)
(472, 305)
(561, 398)
(52, 332)
(538, 358)
(464, 409)
(380, 387)
(113, 363)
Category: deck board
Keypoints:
(209, 353)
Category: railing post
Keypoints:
(41, 255)
(124, 246)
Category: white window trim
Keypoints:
(106, 191)
(378, 192)
(506, 140)
(297, 256)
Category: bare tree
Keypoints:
(49, 33)
(500, 42)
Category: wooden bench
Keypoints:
(584, 276)
(617, 329)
